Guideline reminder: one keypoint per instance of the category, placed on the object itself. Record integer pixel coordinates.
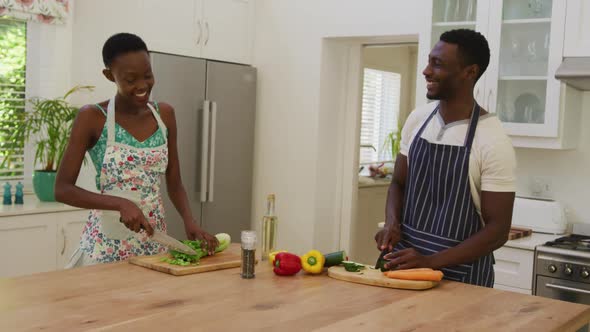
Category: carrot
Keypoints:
(423, 275)
(416, 269)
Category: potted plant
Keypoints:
(391, 143)
(48, 124)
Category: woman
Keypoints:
(131, 142)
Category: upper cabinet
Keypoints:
(577, 29)
(172, 29)
(526, 46)
(213, 29)
(461, 14)
(228, 30)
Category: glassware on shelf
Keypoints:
(532, 51)
(470, 7)
(536, 6)
(515, 47)
(528, 109)
(546, 46)
(457, 15)
(448, 9)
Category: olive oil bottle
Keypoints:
(269, 228)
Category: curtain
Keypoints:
(44, 11)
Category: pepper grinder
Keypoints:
(7, 194)
(248, 252)
(18, 195)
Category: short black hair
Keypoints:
(472, 46)
(121, 43)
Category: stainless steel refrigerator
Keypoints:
(215, 105)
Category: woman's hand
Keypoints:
(194, 232)
(133, 217)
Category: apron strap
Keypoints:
(472, 126)
(111, 122)
(160, 122)
(419, 133)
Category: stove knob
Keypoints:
(585, 274)
(568, 270)
(552, 268)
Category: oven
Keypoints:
(562, 272)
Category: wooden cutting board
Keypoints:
(517, 233)
(229, 258)
(376, 278)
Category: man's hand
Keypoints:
(407, 259)
(388, 237)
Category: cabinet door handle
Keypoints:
(205, 149)
(63, 235)
(568, 289)
(207, 33)
(212, 152)
(200, 32)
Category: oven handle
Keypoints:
(568, 289)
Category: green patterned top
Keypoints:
(121, 136)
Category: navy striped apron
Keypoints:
(439, 212)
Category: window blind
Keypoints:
(380, 111)
(13, 41)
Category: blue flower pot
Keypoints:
(43, 185)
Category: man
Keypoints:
(450, 202)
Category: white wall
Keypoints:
(290, 153)
(568, 172)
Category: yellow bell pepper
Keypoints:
(313, 262)
(271, 256)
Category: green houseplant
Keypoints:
(48, 125)
(392, 142)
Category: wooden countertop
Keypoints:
(124, 297)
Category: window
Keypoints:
(380, 111)
(13, 43)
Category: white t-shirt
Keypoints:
(492, 163)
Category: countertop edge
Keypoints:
(34, 206)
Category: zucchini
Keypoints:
(351, 266)
(335, 258)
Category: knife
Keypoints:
(172, 243)
(383, 253)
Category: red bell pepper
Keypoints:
(287, 264)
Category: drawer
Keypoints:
(514, 267)
(513, 289)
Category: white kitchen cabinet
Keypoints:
(526, 46)
(33, 243)
(514, 269)
(70, 227)
(28, 245)
(577, 29)
(513, 289)
(527, 40)
(213, 29)
(457, 14)
(173, 28)
(228, 30)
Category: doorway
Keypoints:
(342, 78)
(388, 96)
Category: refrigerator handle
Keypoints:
(204, 150)
(212, 157)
